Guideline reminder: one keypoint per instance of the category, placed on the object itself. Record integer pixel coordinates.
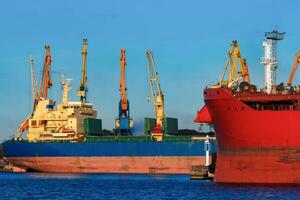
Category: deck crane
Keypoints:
(46, 80)
(34, 87)
(82, 91)
(295, 66)
(157, 97)
(236, 66)
(45, 84)
(123, 124)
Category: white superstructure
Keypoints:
(270, 58)
(62, 122)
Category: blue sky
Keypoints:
(189, 40)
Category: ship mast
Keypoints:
(270, 58)
(66, 87)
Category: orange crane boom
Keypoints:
(45, 84)
(245, 71)
(46, 81)
(123, 124)
(294, 68)
(123, 89)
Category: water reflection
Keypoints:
(55, 175)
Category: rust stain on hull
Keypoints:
(143, 164)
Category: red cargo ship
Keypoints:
(258, 135)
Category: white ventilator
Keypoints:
(270, 58)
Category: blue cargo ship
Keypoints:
(176, 155)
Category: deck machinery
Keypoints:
(68, 121)
(45, 84)
(123, 124)
(236, 68)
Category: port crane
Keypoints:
(34, 87)
(294, 68)
(45, 84)
(46, 80)
(82, 91)
(123, 124)
(236, 66)
(157, 97)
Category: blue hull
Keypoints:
(67, 149)
(106, 157)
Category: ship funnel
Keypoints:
(270, 58)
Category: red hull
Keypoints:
(141, 164)
(258, 166)
(254, 146)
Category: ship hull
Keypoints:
(132, 164)
(271, 165)
(107, 157)
(253, 146)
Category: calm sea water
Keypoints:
(98, 186)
